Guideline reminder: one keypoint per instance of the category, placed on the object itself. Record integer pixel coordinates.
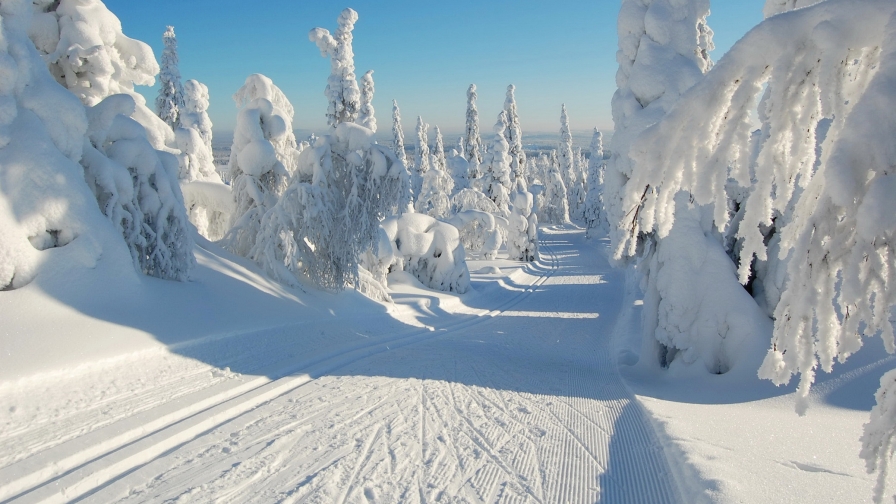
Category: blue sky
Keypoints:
(424, 54)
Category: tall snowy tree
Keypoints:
(342, 87)
(514, 136)
(366, 116)
(496, 173)
(472, 140)
(170, 101)
(566, 157)
(595, 218)
(398, 134)
(259, 157)
(422, 156)
(438, 152)
(555, 207)
(344, 184)
(194, 114)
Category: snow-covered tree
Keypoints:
(343, 186)
(458, 166)
(398, 134)
(472, 140)
(565, 155)
(342, 87)
(808, 196)
(194, 113)
(579, 189)
(522, 235)
(555, 206)
(595, 218)
(170, 101)
(126, 161)
(421, 157)
(438, 152)
(496, 173)
(366, 116)
(45, 203)
(514, 136)
(258, 158)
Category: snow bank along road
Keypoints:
(510, 394)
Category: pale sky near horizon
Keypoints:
(424, 54)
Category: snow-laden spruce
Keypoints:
(495, 181)
(128, 161)
(514, 136)
(522, 227)
(422, 158)
(575, 197)
(458, 166)
(327, 219)
(208, 200)
(804, 204)
(366, 112)
(263, 151)
(594, 216)
(170, 100)
(49, 218)
(472, 140)
(555, 204)
(428, 249)
(398, 134)
(437, 184)
(342, 90)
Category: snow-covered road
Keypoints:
(510, 394)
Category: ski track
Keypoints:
(482, 409)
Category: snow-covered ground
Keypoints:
(232, 388)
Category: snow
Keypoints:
(509, 390)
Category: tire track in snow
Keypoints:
(71, 472)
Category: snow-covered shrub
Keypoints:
(514, 136)
(209, 205)
(496, 171)
(171, 92)
(137, 188)
(594, 215)
(555, 204)
(522, 228)
(430, 250)
(263, 145)
(480, 232)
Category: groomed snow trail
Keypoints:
(520, 402)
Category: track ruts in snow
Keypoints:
(521, 405)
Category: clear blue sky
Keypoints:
(424, 54)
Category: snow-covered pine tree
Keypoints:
(514, 136)
(580, 167)
(195, 112)
(126, 162)
(496, 174)
(522, 233)
(170, 101)
(566, 158)
(555, 209)
(458, 166)
(366, 115)
(438, 152)
(421, 157)
(595, 218)
(258, 158)
(437, 186)
(472, 140)
(398, 134)
(343, 186)
(342, 87)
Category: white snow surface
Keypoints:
(246, 391)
